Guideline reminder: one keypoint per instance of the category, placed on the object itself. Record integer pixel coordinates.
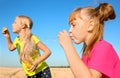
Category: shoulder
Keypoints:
(17, 39)
(102, 44)
(103, 48)
(35, 38)
(103, 58)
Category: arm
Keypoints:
(6, 33)
(45, 55)
(79, 69)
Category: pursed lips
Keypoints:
(71, 36)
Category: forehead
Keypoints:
(78, 14)
(17, 20)
(77, 18)
(74, 16)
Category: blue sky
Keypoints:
(49, 18)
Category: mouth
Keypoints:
(71, 37)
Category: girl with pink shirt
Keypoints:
(99, 59)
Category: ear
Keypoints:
(23, 26)
(91, 26)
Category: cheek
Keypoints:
(78, 36)
(76, 32)
(15, 29)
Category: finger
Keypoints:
(60, 33)
(32, 68)
(64, 31)
(5, 32)
(4, 28)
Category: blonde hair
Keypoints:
(28, 42)
(102, 13)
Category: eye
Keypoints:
(73, 25)
(14, 22)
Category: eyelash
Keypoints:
(73, 25)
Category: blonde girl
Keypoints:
(99, 59)
(28, 46)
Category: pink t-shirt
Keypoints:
(104, 59)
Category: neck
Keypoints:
(88, 38)
(21, 35)
(24, 34)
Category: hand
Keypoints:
(5, 32)
(64, 39)
(33, 67)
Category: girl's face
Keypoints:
(16, 26)
(78, 30)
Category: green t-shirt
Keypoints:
(41, 66)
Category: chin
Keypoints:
(76, 42)
(14, 31)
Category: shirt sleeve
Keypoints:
(103, 59)
(15, 42)
(36, 39)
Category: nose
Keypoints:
(12, 25)
(70, 30)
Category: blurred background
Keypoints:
(49, 18)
